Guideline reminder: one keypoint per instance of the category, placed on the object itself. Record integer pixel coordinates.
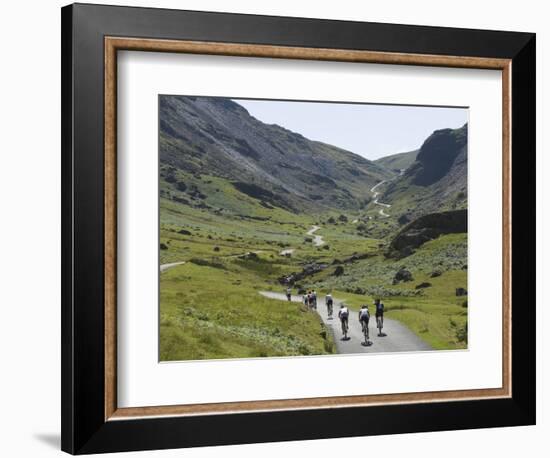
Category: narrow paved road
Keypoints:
(164, 267)
(398, 338)
(318, 239)
(375, 195)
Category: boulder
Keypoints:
(338, 271)
(461, 292)
(402, 275)
(308, 270)
(426, 228)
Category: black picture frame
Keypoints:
(84, 428)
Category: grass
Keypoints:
(216, 312)
(210, 307)
(435, 313)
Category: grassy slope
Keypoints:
(406, 197)
(399, 161)
(213, 312)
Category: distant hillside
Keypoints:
(437, 180)
(399, 161)
(216, 137)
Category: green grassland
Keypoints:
(210, 307)
(399, 161)
(214, 311)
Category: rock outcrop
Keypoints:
(426, 228)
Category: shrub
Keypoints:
(423, 285)
(338, 271)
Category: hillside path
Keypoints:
(375, 195)
(164, 267)
(318, 239)
(398, 337)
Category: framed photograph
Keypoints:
(281, 228)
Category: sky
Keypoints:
(372, 131)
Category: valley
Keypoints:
(249, 208)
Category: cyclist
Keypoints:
(289, 293)
(364, 317)
(379, 315)
(310, 299)
(328, 303)
(343, 314)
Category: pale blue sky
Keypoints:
(373, 131)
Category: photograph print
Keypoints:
(309, 228)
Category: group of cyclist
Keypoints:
(309, 300)
(364, 318)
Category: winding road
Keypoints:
(375, 195)
(397, 337)
(317, 239)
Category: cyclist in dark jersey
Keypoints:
(379, 315)
(328, 303)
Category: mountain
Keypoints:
(216, 139)
(436, 180)
(398, 162)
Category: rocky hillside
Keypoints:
(436, 180)
(216, 137)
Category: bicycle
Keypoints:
(380, 324)
(329, 310)
(365, 325)
(344, 327)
